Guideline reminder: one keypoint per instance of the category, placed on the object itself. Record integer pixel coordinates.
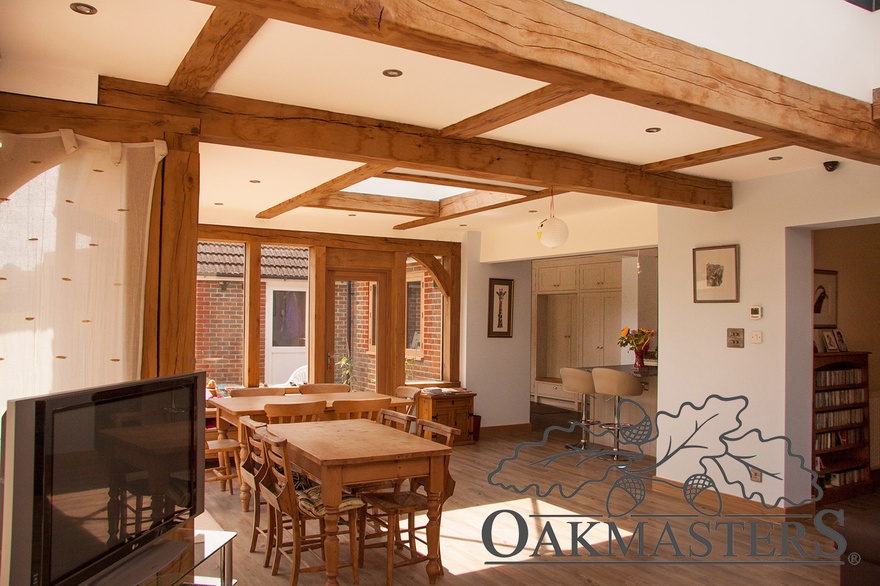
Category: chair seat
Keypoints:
(311, 502)
(401, 502)
(223, 445)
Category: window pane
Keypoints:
(220, 312)
(424, 359)
(288, 318)
(413, 315)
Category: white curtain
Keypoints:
(74, 214)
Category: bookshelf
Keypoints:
(841, 452)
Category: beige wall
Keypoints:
(855, 254)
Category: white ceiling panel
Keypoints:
(761, 164)
(608, 129)
(296, 65)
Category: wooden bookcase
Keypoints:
(841, 446)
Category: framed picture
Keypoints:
(830, 340)
(500, 303)
(824, 299)
(841, 344)
(716, 274)
(818, 342)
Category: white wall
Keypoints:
(497, 369)
(775, 271)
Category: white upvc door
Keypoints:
(286, 329)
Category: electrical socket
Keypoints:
(756, 475)
(736, 338)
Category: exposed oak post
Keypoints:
(318, 313)
(178, 248)
(252, 341)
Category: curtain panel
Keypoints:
(74, 213)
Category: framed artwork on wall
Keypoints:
(500, 304)
(716, 274)
(824, 299)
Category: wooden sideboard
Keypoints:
(452, 408)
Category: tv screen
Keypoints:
(93, 475)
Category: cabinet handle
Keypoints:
(600, 347)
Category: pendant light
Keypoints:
(552, 232)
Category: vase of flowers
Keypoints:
(638, 341)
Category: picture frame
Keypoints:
(830, 341)
(824, 299)
(500, 304)
(818, 342)
(841, 343)
(716, 274)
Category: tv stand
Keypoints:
(144, 568)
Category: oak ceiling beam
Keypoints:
(751, 147)
(563, 43)
(251, 123)
(377, 204)
(321, 191)
(524, 106)
(453, 182)
(470, 203)
(26, 115)
(224, 35)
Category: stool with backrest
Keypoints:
(295, 412)
(360, 408)
(312, 388)
(390, 507)
(616, 384)
(580, 382)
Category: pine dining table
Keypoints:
(231, 409)
(359, 451)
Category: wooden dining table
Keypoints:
(230, 409)
(359, 451)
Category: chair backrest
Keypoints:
(407, 392)
(438, 432)
(443, 434)
(311, 388)
(257, 392)
(299, 377)
(616, 383)
(575, 380)
(295, 412)
(252, 466)
(397, 420)
(360, 408)
(276, 485)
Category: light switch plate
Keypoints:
(736, 337)
(757, 337)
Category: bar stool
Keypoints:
(580, 382)
(617, 384)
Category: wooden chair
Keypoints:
(277, 487)
(223, 450)
(295, 412)
(251, 469)
(412, 393)
(391, 506)
(361, 408)
(257, 392)
(312, 388)
(397, 420)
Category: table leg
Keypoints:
(331, 490)
(244, 488)
(435, 488)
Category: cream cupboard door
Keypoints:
(600, 328)
(556, 334)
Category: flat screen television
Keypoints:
(92, 476)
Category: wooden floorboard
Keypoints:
(465, 557)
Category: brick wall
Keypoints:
(220, 330)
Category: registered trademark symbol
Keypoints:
(854, 558)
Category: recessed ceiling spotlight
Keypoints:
(392, 73)
(352, 215)
(255, 180)
(533, 211)
(463, 225)
(776, 158)
(218, 203)
(83, 8)
(653, 129)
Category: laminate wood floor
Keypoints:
(666, 534)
